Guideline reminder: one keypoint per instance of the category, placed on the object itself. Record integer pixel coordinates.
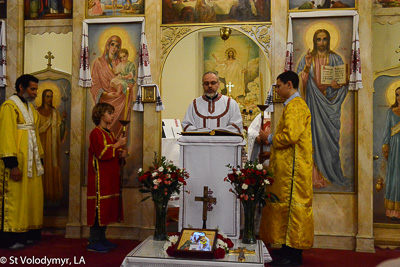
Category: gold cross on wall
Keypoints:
(205, 199)
(49, 57)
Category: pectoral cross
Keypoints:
(230, 86)
(242, 251)
(49, 57)
(207, 200)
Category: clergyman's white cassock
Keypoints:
(222, 113)
(205, 158)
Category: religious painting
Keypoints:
(3, 9)
(114, 8)
(389, 3)
(53, 104)
(225, 11)
(196, 243)
(148, 93)
(236, 61)
(319, 43)
(386, 149)
(304, 5)
(276, 98)
(48, 9)
(113, 59)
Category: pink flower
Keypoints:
(155, 187)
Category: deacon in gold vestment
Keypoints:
(21, 191)
(289, 221)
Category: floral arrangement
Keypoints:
(162, 179)
(250, 182)
(222, 247)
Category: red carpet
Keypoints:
(58, 247)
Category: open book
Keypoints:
(337, 73)
(212, 133)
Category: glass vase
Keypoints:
(160, 231)
(249, 209)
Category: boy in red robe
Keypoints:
(103, 201)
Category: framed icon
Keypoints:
(148, 93)
(276, 97)
(196, 243)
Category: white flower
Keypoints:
(221, 244)
(173, 238)
(238, 173)
(161, 169)
(140, 170)
(156, 182)
(244, 186)
(259, 167)
(266, 181)
(154, 174)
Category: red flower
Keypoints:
(171, 251)
(247, 181)
(252, 180)
(258, 173)
(173, 175)
(218, 254)
(220, 237)
(228, 242)
(231, 176)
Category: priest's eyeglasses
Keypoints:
(212, 83)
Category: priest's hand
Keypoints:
(16, 174)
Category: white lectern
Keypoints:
(205, 158)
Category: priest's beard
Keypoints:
(28, 98)
(210, 95)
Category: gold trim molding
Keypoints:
(172, 35)
(260, 34)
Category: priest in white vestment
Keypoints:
(212, 111)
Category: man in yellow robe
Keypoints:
(289, 221)
(21, 191)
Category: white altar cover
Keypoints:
(205, 158)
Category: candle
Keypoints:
(126, 103)
(262, 88)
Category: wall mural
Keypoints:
(201, 11)
(319, 43)
(114, 8)
(113, 56)
(387, 148)
(54, 107)
(236, 61)
(320, 4)
(3, 9)
(48, 9)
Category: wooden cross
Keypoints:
(242, 251)
(230, 86)
(206, 199)
(49, 57)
